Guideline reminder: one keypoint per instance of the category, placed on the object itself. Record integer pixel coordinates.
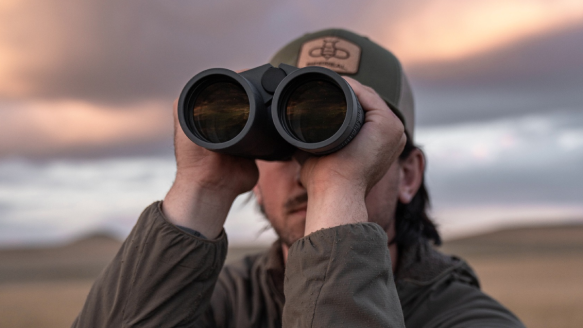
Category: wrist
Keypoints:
(334, 205)
(195, 206)
(329, 180)
(330, 187)
(196, 180)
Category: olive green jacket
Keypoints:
(337, 277)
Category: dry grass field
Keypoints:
(536, 272)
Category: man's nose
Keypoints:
(299, 158)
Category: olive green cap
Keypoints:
(356, 56)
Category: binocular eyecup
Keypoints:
(267, 112)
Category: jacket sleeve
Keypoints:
(161, 277)
(341, 277)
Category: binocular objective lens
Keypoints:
(221, 111)
(315, 111)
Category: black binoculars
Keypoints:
(269, 112)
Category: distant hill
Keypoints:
(85, 258)
(519, 241)
(81, 259)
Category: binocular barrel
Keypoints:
(267, 112)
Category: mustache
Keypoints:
(297, 201)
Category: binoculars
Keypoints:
(269, 112)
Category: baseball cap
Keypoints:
(350, 54)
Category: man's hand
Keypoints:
(338, 183)
(206, 184)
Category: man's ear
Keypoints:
(411, 175)
(258, 195)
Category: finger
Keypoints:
(372, 103)
(179, 135)
(368, 98)
(175, 110)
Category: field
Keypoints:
(536, 272)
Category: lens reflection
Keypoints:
(221, 111)
(315, 111)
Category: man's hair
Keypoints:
(412, 223)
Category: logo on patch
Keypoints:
(334, 53)
(328, 50)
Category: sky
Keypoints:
(86, 90)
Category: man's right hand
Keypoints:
(338, 183)
(206, 185)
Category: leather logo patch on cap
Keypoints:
(334, 53)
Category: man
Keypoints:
(354, 236)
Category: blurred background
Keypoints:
(86, 91)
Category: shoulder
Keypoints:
(438, 290)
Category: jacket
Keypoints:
(337, 277)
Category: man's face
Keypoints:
(284, 200)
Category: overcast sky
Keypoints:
(86, 91)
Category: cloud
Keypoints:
(106, 51)
(440, 30)
(69, 198)
(498, 88)
(56, 201)
(82, 62)
(533, 60)
(537, 75)
(134, 51)
(526, 170)
(480, 176)
(44, 129)
(120, 51)
(534, 159)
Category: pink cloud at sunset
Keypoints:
(64, 127)
(448, 30)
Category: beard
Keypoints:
(287, 229)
